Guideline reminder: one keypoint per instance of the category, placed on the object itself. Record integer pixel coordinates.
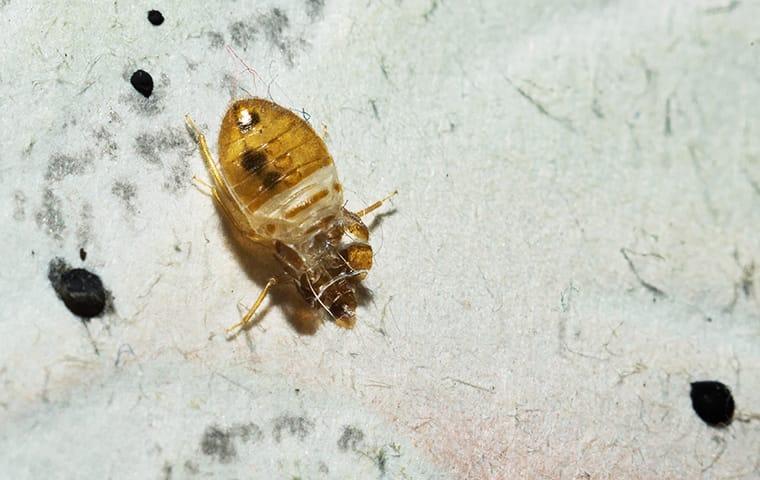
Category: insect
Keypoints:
(277, 185)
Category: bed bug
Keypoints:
(277, 185)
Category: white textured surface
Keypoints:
(533, 144)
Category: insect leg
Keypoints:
(375, 205)
(205, 152)
(220, 192)
(246, 320)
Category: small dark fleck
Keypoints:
(81, 290)
(155, 17)
(143, 82)
(713, 403)
(82, 254)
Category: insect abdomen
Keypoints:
(277, 167)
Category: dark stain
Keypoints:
(298, 427)
(381, 461)
(82, 254)
(150, 146)
(105, 141)
(84, 229)
(713, 403)
(61, 166)
(314, 8)
(155, 17)
(723, 9)
(142, 81)
(431, 10)
(215, 39)
(178, 177)
(218, 443)
(248, 432)
(242, 34)
(668, 128)
(747, 281)
(127, 192)
(350, 438)
(167, 471)
(271, 179)
(253, 160)
(80, 290)
(49, 217)
(274, 24)
(191, 467)
(19, 201)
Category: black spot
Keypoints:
(81, 290)
(155, 17)
(299, 427)
(713, 402)
(271, 179)
(143, 82)
(253, 160)
(218, 443)
(82, 254)
(350, 439)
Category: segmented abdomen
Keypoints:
(277, 168)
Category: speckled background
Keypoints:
(575, 240)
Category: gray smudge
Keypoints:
(61, 165)
(242, 34)
(218, 443)
(314, 8)
(150, 145)
(105, 141)
(299, 427)
(215, 39)
(127, 192)
(84, 230)
(49, 217)
(274, 25)
(178, 177)
(19, 200)
(351, 438)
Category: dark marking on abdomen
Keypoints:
(253, 160)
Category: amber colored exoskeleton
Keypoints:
(277, 185)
